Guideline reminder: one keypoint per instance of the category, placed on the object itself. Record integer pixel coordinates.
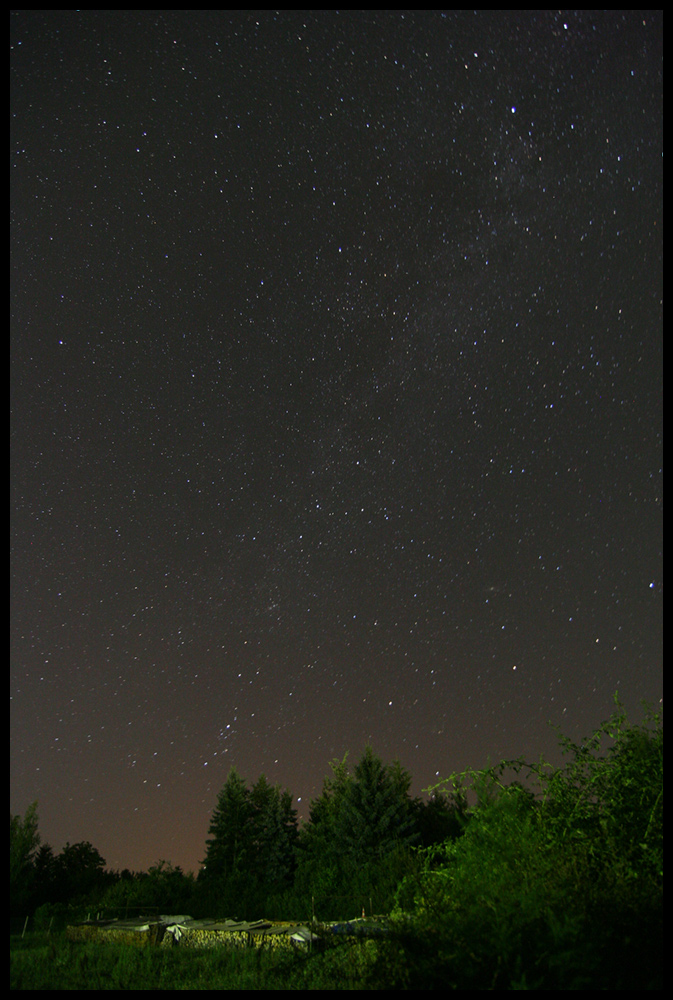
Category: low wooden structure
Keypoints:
(169, 931)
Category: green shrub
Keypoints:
(561, 889)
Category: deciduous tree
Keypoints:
(24, 841)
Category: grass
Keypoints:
(38, 962)
(481, 950)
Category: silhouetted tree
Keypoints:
(24, 841)
(228, 847)
(80, 873)
(376, 813)
(250, 851)
(275, 835)
(357, 836)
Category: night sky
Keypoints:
(336, 383)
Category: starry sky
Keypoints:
(336, 357)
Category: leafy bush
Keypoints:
(561, 889)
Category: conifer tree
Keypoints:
(229, 845)
(275, 835)
(359, 823)
(376, 814)
(250, 851)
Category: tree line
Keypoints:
(349, 855)
(519, 876)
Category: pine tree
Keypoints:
(275, 835)
(376, 814)
(356, 840)
(229, 847)
(250, 851)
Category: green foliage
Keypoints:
(375, 813)
(228, 847)
(562, 889)
(608, 803)
(251, 848)
(54, 963)
(164, 888)
(40, 963)
(275, 834)
(519, 876)
(354, 848)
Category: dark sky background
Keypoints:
(336, 399)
